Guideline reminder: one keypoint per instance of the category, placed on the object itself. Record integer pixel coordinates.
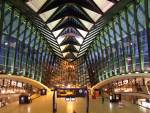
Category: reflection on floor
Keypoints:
(44, 105)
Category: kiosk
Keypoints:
(24, 99)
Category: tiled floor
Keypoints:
(44, 105)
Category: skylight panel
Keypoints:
(45, 16)
(87, 24)
(77, 47)
(66, 53)
(95, 16)
(35, 4)
(75, 54)
(79, 39)
(82, 32)
(104, 5)
(63, 47)
(53, 24)
(60, 39)
(56, 33)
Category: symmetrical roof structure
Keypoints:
(70, 22)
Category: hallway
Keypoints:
(43, 104)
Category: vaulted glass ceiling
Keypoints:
(71, 23)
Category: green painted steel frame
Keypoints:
(9, 36)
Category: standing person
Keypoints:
(102, 99)
(74, 111)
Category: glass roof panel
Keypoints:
(75, 54)
(84, 33)
(83, 36)
(47, 14)
(60, 39)
(88, 25)
(77, 47)
(79, 39)
(64, 54)
(93, 15)
(53, 24)
(63, 47)
(35, 4)
(56, 33)
(104, 5)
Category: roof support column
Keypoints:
(89, 69)
(99, 58)
(22, 50)
(2, 19)
(123, 45)
(116, 47)
(107, 68)
(36, 59)
(43, 61)
(32, 58)
(103, 59)
(28, 52)
(111, 60)
(146, 5)
(9, 40)
(141, 60)
(130, 41)
(40, 61)
(17, 44)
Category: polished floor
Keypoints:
(44, 105)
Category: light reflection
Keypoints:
(69, 107)
(143, 109)
(110, 106)
(29, 109)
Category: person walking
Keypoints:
(74, 111)
(103, 99)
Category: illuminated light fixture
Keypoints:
(9, 74)
(105, 89)
(123, 74)
(3, 91)
(73, 99)
(6, 43)
(68, 86)
(67, 99)
(145, 72)
(129, 59)
(129, 73)
(136, 72)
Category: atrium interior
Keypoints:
(74, 56)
